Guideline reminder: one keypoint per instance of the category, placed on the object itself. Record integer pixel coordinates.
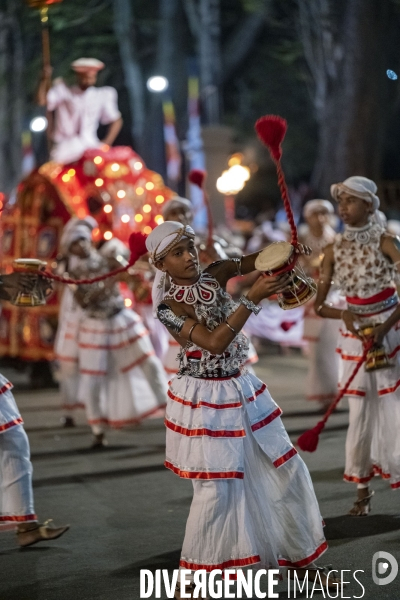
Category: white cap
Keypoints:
(81, 65)
(358, 186)
(316, 205)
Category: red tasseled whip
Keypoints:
(308, 441)
(198, 177)
(271, 130)
(137, 245)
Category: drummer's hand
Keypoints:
(302, 249)
(20, 282)
(266, 286)
(379, 333)
(351, 320)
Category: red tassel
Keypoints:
(308, 441)
(271, 130)
(197, 177)
(137, 246)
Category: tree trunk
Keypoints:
(125, 34)
(352, 118)
(11, 103)
(210, 61)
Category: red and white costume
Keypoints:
(121, 381)
(366, 277)
(16, 495)
(253, 501)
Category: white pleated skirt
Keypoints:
(253, 502)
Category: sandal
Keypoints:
(330, 581)
(362, 506)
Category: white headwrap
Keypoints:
(159, 242)
(175, 202)
(76, 229)
(361, 187)
(315, 205)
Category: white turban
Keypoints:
(175, 202)
(76, 229)
(82, 65)
(316, 205)
(159, 242)
(361, 187)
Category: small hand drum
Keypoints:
(376, 357)
(37, 296)
(280, 257)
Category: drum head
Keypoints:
(29, 262)
(275, 256)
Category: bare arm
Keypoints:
(324, 285)
(218, 340)
(113, 130)
(226, 269)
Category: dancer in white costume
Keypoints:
(70, 317)
(121, 381)
(16, 494)
(180, 210)
(363, 262)
(253, 501)
(320, 334)
(79, 110)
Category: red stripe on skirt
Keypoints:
(283, 562)
(235, 562)
(277, 413)
(204, 474)
(10, 424)
(281, 460)
(137, 362)
(114, 347)
(202, 403)
(204, 431)
(353, 479)
(389, 390)
(257, 393)
(7, 386)
(18, 519)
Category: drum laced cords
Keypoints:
(271, 130)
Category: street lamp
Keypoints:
(229, 184)
(157, 84)
(38, 124)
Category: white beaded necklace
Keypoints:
(362, 235)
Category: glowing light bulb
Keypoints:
(107, 208)
(138, 218)
(38, 124)
(99, 182)
(97, 160)
(71, 172)
(147, 230)
(125, 218)
(159, 199)
(121, 194)
(147, 208)
(115, 167)
(139, 191)
(128, 302)
(138, 165)
(149, 185)
(65, 178)
(107, 235)
(159, 219)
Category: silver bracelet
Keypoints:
(250, 305)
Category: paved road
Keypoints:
(127, 512)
